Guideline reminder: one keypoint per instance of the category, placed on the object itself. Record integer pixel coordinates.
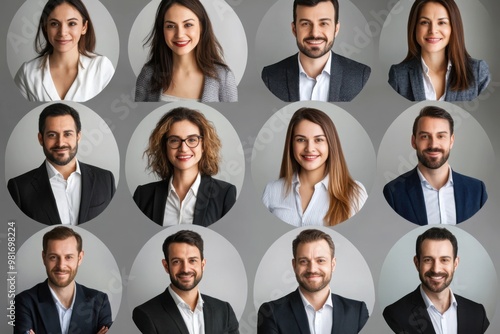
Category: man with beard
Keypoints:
(181, 308)
(433, 308)
(59, 304)
(316, 73)
(62, 190)
(433, 193)
(312, 308)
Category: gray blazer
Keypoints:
(220, 89)
(406, 79)
(346, 80)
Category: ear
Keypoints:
(40, 139)
(78, 136)
(165, 266)
(84, 28)
(413, 144)
(80, 257)
(334, 264)
(203, 262)
(294, 29)
(452, 139)
(337, 27)
(416, 262)
(455, 264)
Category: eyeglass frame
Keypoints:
(184, 141)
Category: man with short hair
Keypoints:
(316, 73)
(433, 193)
(181, 308)
(312, 308)
(433, 308)
(59, 304)
(62, 190)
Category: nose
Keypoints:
(314, 30)
(310, 146)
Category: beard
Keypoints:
(315, 51)
(186, 286)
(313, 286)
(58, 159)
(432, 163)
(58, 282)
(426, 280)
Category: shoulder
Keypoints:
(25, 176)
(471, 305)
(402, 179)
(94, 169)
(282, 64)
(146, 71)
(31, 293)
(90, 293)
(349, 63)
(32, 65)
(347, 302)
(214, 302)
(150, 306)
(150, 187)
(275, 188)
(470, 181)
(223, 71)
(219, 183)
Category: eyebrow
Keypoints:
(176, 22)
(439, 18)
(427, 132)
(70, 19)
(299, 135)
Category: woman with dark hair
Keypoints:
(438, 66)
(315, 187)
(183, 152)
(185, 58)
(66, 67)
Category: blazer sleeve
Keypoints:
(143, 321)
(233, 325)
(21, 80)
(390, 319)
(483, 76)
(229, 199)
(392, 78)
(363, 316)
(143, 91)
(388, 195)
(266, 322)
(104, 313)
(484, 194)
(229, 89)
(24, 314)
(14, 192)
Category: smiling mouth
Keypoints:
(310, 157)
(184, 157)
(181, 44)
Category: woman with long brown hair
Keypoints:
(438, 66)
(315, 187)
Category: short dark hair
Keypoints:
(434, 112)
(58, 109)
(311, 235)
(436, 233)
(183, 236)
(312, 3)
(61, 233)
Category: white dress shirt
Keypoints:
(68, 193)
(446, 323)
(193, 319)
(289, 207)
(35, 82)
(64, 313)
(177, 212)
(439, 204)
(315, 88)
(320, 321)
(430, 92)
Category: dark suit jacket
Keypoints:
(346, 80)
(160, 315)
(409, 316)
(33, 194)
(36, 310)
(404, 194)
(406, 79)
(215, 198)
(288, 316)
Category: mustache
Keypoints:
(433, 150)
(309, 274)
(60, 148)
(313, 38)
(435, 274)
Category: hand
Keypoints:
(103, 330)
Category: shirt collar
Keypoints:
(180, 302)
(424, 181)
(56, 299)
(324, 182)
(327, 68)
(306, 303)
(52, 171)
(194, 187)
(426, 68)
(428, 302)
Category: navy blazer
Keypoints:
(36, 310)
(287, 315)
(347, 78)
(215, 198)
(160, 315)
(407, 79)
(409, 316)
(405, 195)
(33, 194)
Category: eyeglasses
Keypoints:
(176, 142)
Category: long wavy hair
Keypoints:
(344, 191)
(461, 75)
(208, 52)
(86, 44)
(156, 151)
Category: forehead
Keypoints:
(318, 248)
(179, 12)
(322, 10)
(65, 10)
(182, 128)
(66, 246)
(182, 250)
(432, 9)
(436, 248)
(305, 127)
(64, 122)
(433, 124)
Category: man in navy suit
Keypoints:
(59, 304)
(316, 73)
(62, 190)
(432, 193)
(312, 308)
(182, 305)
(433, 308)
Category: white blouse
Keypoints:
(35, 81)
(289, 208)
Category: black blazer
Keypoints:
(33, 194)
(404, 194)
(347, 78)
(160, 315)
(215, 198)
(406, 79)
(36, 310)
(288, 316)
(409, 316)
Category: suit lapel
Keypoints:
(336, 73)
(338, 316)
(416, 81)
(292, 78)
(416, 196)
(172, 311)
(207, 318)
(459, 191)
(87, 191)
(160, 199)
(201, 206)
(298, 311)
(81, 315)
(420, 319)
(41, 185)
(48, 310)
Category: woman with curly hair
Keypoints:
(183, 152)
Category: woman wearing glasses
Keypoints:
(183, 152)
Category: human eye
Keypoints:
(192, 139)
(169, 26)
(174, 140)
(424, 22)
(300, 139)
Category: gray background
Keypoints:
(249, 226)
